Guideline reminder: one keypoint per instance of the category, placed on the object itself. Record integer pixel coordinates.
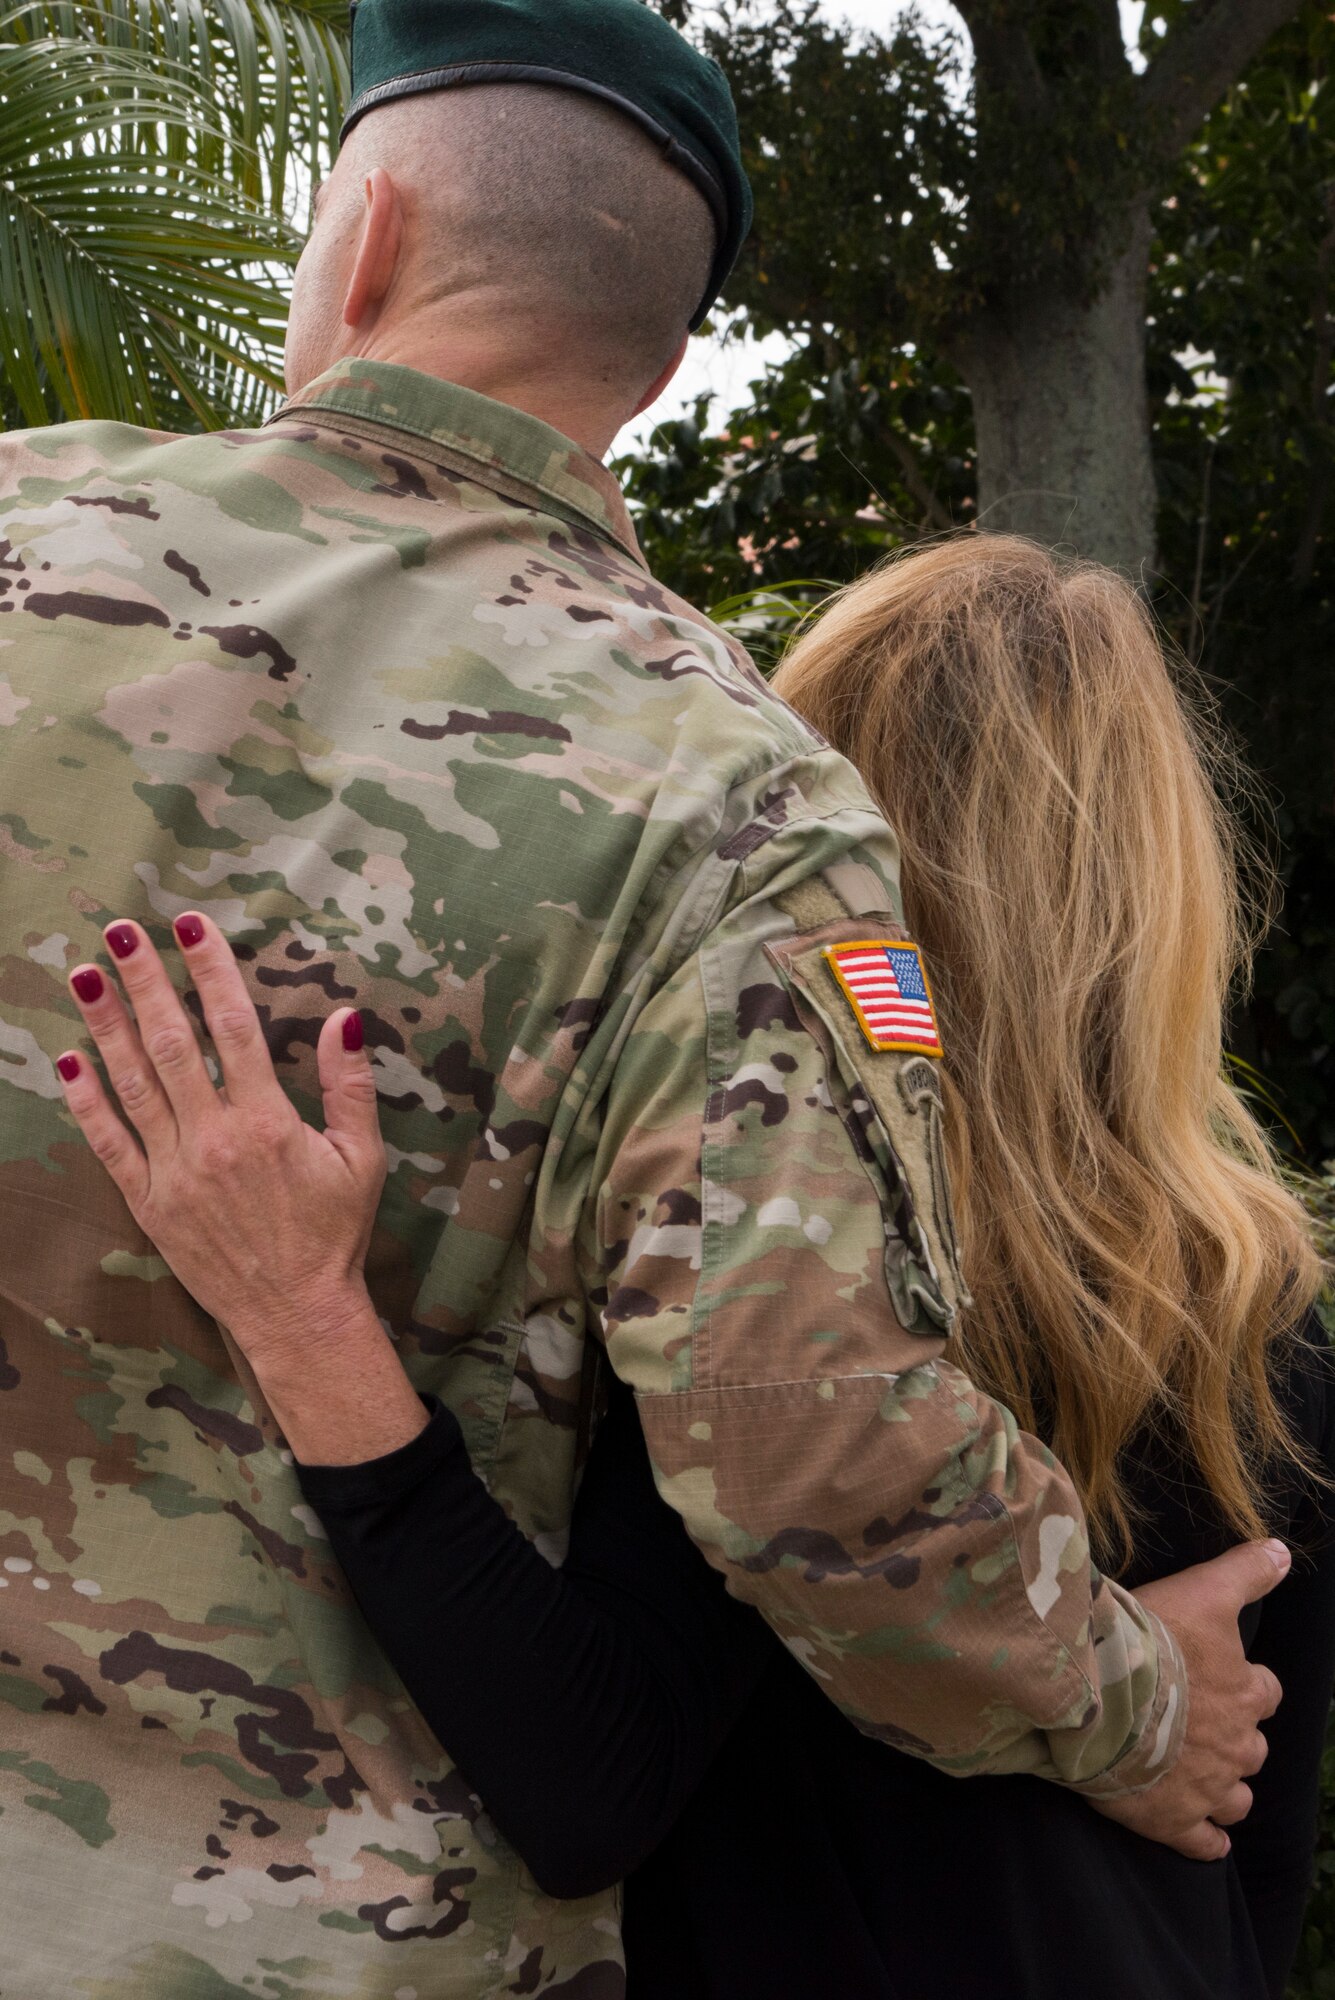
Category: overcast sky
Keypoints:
(875, 13)
(727, 367)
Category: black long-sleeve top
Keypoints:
(622, 1717)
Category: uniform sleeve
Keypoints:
(775, 1241)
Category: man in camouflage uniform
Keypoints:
(386, 689)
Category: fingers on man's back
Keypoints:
(229, 1012)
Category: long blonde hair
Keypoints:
(1074, 881)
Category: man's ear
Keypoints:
(655, 389)
(377, 250)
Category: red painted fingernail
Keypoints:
(189, 931)
(88, 985)
(68, 1067)
(123, 939)
(353, 1036)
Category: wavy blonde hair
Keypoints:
(1074, 881)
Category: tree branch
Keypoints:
(934, 514)
(1200, 60)
(1004, 52)
(1107, 23)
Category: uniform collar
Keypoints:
(501, 447)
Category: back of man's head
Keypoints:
(538, 214)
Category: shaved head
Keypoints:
(526, 205)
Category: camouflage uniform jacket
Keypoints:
(386, 688)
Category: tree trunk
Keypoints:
(1062, 412)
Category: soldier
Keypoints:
(386, 690)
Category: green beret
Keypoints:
(620, 51)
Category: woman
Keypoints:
(1141, 1279)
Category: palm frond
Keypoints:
(275, 72)
(135, 280)
(1256, 1089)
(767, 620)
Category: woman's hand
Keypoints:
(263, 1219)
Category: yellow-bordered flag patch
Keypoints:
(885, 983)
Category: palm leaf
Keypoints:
(1256, 1089)
(768, 619)
(151, 153)
(276, 70)
(130, 276)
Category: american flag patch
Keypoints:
(885, 985)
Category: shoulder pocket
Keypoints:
(873, 1030)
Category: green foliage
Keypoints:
(767, 621)
(1243, 455)
(832, 464)
(887, 188)
(277, 71)
(150, 158)
(859, 162)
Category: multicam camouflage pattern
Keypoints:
(387, 690)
